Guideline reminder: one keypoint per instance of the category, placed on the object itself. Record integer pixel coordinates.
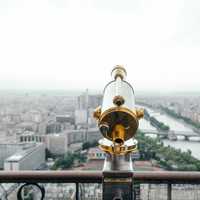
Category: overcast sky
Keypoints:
(73, 44)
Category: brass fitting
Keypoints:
(118, 149)
(118, 134)
(129, 119)
(140, 113)
(119, 71)
(97, 113)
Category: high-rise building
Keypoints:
(86, 101)
(80, 117)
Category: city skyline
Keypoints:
(69, 44)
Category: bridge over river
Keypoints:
(172, 135)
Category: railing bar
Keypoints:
(96, 177)
(77, 191)
(169, 191)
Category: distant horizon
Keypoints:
(98, 91)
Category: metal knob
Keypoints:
(118, 100)
(97, 113)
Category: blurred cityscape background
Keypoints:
(55, 130)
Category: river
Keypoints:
(175, 125)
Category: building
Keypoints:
(81, 117)
(75, 136)
(28, 159)
(31, 137)
(42, 127)
(96, 154)
(53, 127)
(65, 119)
(86, 101)
(29, 126)
(7, 150)
(93, 134)
(57, 143)
(95, 159)
(82, 101)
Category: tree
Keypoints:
(87, 145)
(48, 154)
(64, 162)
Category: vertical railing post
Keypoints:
(77, 191)
(136, 190)
(169, 191)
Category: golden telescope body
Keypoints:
(117, 117)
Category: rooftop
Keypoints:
(21, 154)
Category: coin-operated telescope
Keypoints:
(118, 121)
(117, 117)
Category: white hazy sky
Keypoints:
(73, 44)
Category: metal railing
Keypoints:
(37, 178)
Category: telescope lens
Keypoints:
(119, 141)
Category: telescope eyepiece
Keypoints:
(119, 141)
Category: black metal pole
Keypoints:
(169, 191)
(77, 191)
